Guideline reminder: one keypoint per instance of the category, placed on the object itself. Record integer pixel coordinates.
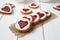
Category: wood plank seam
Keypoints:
(42, 26)
(17, 37)
(1, 17)
(43, 32)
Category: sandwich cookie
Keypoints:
(33, 5)
(5, 9)
(57, 7)
(42, 15)
(23, 25)
(26, 11)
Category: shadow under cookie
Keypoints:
(19, 34)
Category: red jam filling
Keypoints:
(33, 4)
(10, 4)
(46, 12)
(27, 18)
(58, 6)
(22, 24)
(6, 8)
(26, 9)
(40, 14)
(34, 17)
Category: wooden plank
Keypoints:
(52, 25)
(5, 33)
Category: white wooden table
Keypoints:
(48, 31)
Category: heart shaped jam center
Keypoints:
(27, 18)
(46, 12)
(6, 8)
(58, 6)
(22, 24)
(26, 9)
(33, 4)
(40, 14)
(34, 17)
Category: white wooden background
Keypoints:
(48, 30)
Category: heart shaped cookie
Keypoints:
(26, 11)
(57, 7)
(10, 5)
(33, 5)
(5, 9)
(35, 18)
(23, 25)
(42, 15)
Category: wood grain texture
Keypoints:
(52, 25)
